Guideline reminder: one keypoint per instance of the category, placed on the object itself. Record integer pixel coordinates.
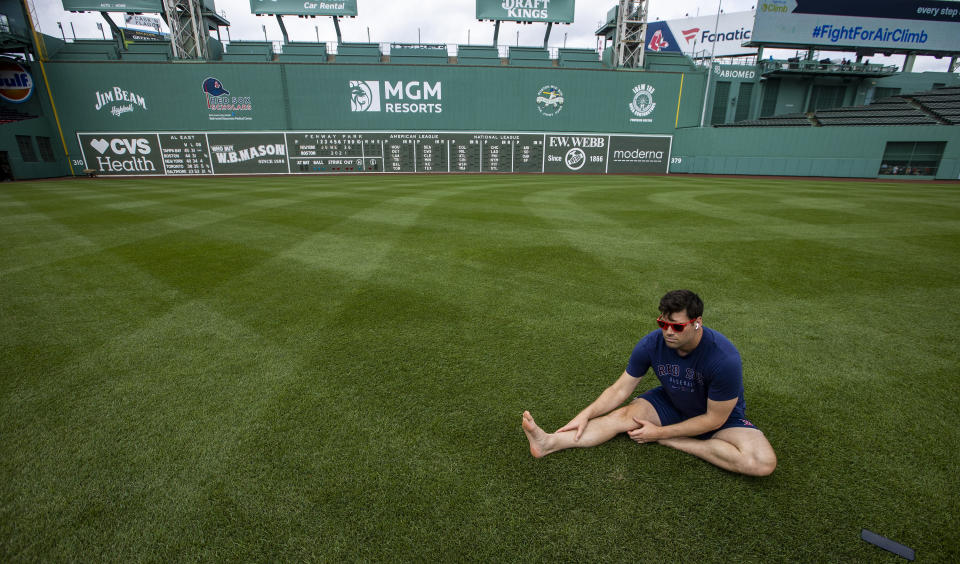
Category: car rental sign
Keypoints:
(305, 7)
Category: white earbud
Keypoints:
(697, 326)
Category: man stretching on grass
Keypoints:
(697, 409)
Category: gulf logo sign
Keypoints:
(16, 84)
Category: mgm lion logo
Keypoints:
(364, 96)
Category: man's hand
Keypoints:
(647, 432)
(578, 423)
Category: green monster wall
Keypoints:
(102, 99)
(199, 102)
(849, 151)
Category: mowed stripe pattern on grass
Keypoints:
(322, 368)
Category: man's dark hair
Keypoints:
(681, 300)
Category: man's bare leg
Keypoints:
(599, 430)
(738, 449)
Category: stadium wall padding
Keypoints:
(311, 97)
(40, 123)
(117, 96)
(850, 151)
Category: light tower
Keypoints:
(188, 35)
(631, 32)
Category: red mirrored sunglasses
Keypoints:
(678, 327)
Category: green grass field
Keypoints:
(327, 369)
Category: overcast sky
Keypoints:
(427, 21)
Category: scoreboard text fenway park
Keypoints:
(337, 152)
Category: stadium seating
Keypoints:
(487, 55)
(358, 53)
(579, 59)
(941, 103)
(940, 106)
(419, 54)
(88, 50)
(530, 57)
(303, 52)
(669, 62)
(248, 52)
(147, 51)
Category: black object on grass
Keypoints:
(887, 544)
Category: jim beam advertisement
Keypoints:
(122, 154)
(239, 153)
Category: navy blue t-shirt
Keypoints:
(712, 370)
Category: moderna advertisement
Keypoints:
(703, 36)
(904, 26)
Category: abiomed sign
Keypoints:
(910, 26)
(556, 11)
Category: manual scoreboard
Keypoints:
(339, 152)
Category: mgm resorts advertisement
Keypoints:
(911, 25)
(340, 152)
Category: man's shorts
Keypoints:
(669, 414)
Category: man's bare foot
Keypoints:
(538, 437)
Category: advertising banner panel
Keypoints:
(339, 152)
(149, 6)
(703, 36)
(16, 82)
(909, 26)
(304, 8)
(143, 21)
(122, 154)
(556, 11)
(221, 97)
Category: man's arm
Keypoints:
(610, 399)
(717, 414)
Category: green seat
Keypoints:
(419, 55)
(478, 55)
(88, 50)
(530, 57)
(248, 51)
(579, 59)
(303, 52)
(147, 51)
(358, 53)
